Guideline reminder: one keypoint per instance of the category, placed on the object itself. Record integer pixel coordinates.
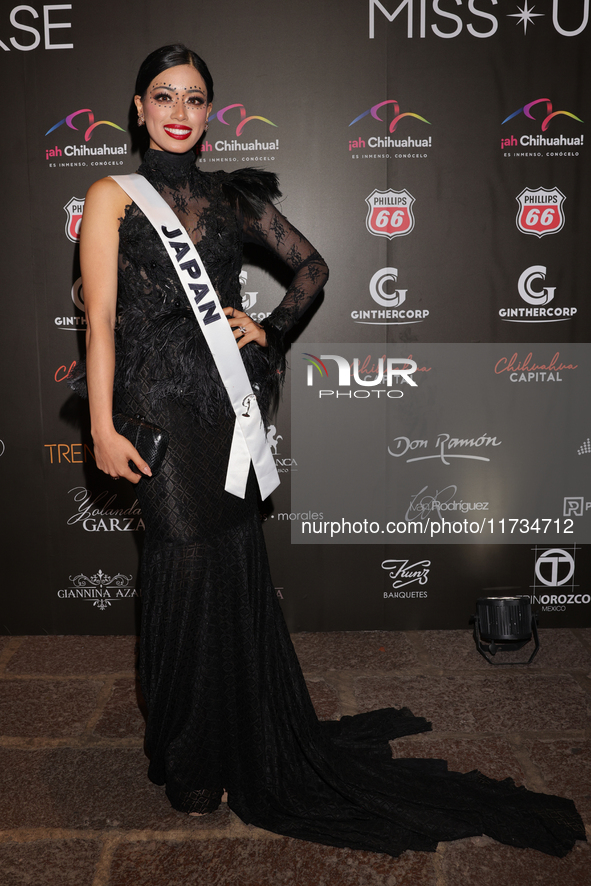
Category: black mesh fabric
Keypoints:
(227, 704)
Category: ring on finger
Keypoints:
(242, 329)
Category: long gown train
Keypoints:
(228, 707)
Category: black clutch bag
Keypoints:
(150, 441)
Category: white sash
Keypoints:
(249, 441)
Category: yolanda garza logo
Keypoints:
(97, 514)
(353, 380)
(76, 322)
(404, 573)
(411, 147)
(540, 211)
(424, 18)
(405, 446)
(256, 150)
(548, 144)
(74, 209)
(527, 370)
(390, 213)
(394, 314)
(110, 155)
(100, 589)
(538, 298)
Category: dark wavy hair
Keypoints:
(169, 57)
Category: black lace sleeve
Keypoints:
(253, 192)
(273, 231)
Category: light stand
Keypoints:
(506, 624)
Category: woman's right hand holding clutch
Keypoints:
(113, 453)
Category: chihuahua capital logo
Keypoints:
(69, 121)
(220, 115)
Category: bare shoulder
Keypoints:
(106, 198)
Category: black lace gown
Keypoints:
(228, 705)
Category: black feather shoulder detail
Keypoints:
(250, 190)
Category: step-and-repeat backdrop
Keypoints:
(434, 439)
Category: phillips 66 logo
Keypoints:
(540, 212)
(390, 213)
(74, 209)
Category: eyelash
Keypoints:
(165, 97)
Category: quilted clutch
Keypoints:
(150, 441)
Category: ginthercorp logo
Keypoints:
(390, 213)
(407, 143)
(233, 145)
(526, 288)
(548, 143)
(76, 322)
(100, 589)
(554, 570)
(540, 211)
(531, 289)
(382, 288)
(82, 152)
(351, 381)
(425, 18)
(404, 573)
(575, 506)
(74, 209)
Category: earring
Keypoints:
(140, 120)
(206, 126)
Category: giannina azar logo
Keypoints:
(84, 150)
(387, 141)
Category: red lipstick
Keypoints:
(176, 130)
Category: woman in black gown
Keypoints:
(228, 707)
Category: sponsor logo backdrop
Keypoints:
(436, 153)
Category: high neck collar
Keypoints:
(174, 167)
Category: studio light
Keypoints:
(506, 624)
